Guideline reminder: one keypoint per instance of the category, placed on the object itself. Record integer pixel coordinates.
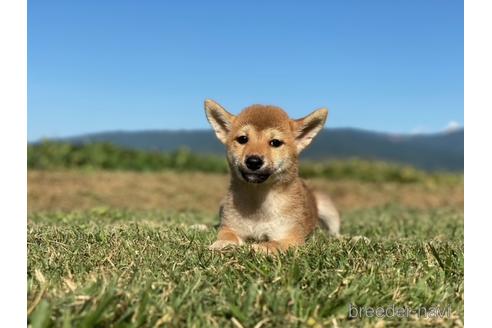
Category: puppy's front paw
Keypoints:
(265, 248)
(221, 244)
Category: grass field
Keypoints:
(129, 249)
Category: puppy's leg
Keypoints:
(275, 246)
(226, 237)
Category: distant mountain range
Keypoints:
(440, 151)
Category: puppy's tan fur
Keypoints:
(281, 211)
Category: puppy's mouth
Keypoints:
(255, 177)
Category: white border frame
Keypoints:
(13, 141)
(478, 164)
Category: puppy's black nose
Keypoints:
(254, 162)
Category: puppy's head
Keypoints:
(262, 142)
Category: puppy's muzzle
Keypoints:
(255, 170)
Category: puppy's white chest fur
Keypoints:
(269, 220)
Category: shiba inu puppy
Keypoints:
(267, 202)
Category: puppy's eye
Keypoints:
(242, 139)
(276, 143)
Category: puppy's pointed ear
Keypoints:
(306, 128)
(219, 119)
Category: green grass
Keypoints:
(129, 269)
(55, 156)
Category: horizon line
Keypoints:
(130, 131)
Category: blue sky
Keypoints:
(394, 66)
